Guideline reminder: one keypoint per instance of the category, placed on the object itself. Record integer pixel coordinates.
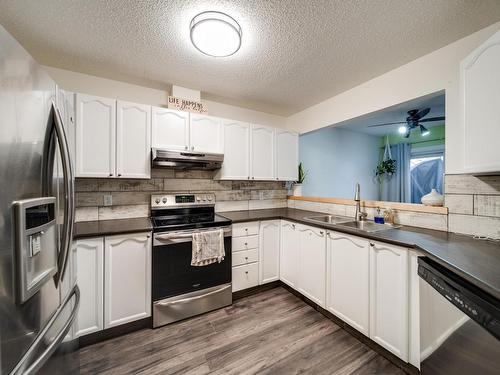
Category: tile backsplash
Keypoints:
(473, 201)
(130, 197)
(473, 204)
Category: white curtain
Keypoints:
(397, 187)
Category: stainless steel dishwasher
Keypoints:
(459, 324)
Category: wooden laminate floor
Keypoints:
(272, 332)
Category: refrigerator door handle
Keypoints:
(29, 365)
(69, 189)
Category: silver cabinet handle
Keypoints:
(69, 187)
(192, 147)
(185, 147)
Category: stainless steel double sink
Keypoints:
(365, 225)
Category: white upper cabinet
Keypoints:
(127, 284)
(287, 155)
(389, 298)
(206, 134)
(348, 279)
(269, 251)
(133, 140)
(312, 264)
(88, 258)
(170, 129)
(95, 136)
(289, 254)
(480, 100)
(262, 153)
(236, 164)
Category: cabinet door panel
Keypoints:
(287, 155)
(389, 298)
(262, 154)
(95, 136)
(133, 145)
(236, 164)
(205, 133)
(89, 263)
(480, 98)
(269, 251)
(312, 264)
(289, 254)
(128, 278)
(348, 280)
(170, 129)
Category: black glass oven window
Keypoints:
(39, 215)
(174, 275)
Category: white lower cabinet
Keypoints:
(245, 276)
(245, 255)
(289, 254)
(312, 263)
(114, 277)
(348, 281)
(269, 250)
(389, 298)
(88, 256)
(127, 284)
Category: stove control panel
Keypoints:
(173, 200)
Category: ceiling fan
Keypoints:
(414, 120)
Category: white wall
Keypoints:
(335, 159)
(88, 84)
(436, 71)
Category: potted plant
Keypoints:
(297, 187)
(385, 167)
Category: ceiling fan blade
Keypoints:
(388, 123)
(441, 118)
(422, 113)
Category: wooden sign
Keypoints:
(186, 105)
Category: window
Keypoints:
(426, 171)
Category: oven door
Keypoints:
(173, 274)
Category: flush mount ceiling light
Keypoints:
(215, 34)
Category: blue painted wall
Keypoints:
(335, 159)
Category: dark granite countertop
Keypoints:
(109, 227)
(478, 261)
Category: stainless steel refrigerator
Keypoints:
(38, 297)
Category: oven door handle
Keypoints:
(179, 237)
(185, 300)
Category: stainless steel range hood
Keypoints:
(175, 159)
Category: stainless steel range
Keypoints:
(180, 290)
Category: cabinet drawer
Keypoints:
(245, 276)
(245, 257)
(245, 243)
(246, 229)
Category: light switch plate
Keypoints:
(108, 200)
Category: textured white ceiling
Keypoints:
(436, 102)
(295, 53)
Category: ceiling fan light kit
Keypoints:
(413, 121)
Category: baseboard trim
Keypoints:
(110, 333)
(406, 367)
(255, 289)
